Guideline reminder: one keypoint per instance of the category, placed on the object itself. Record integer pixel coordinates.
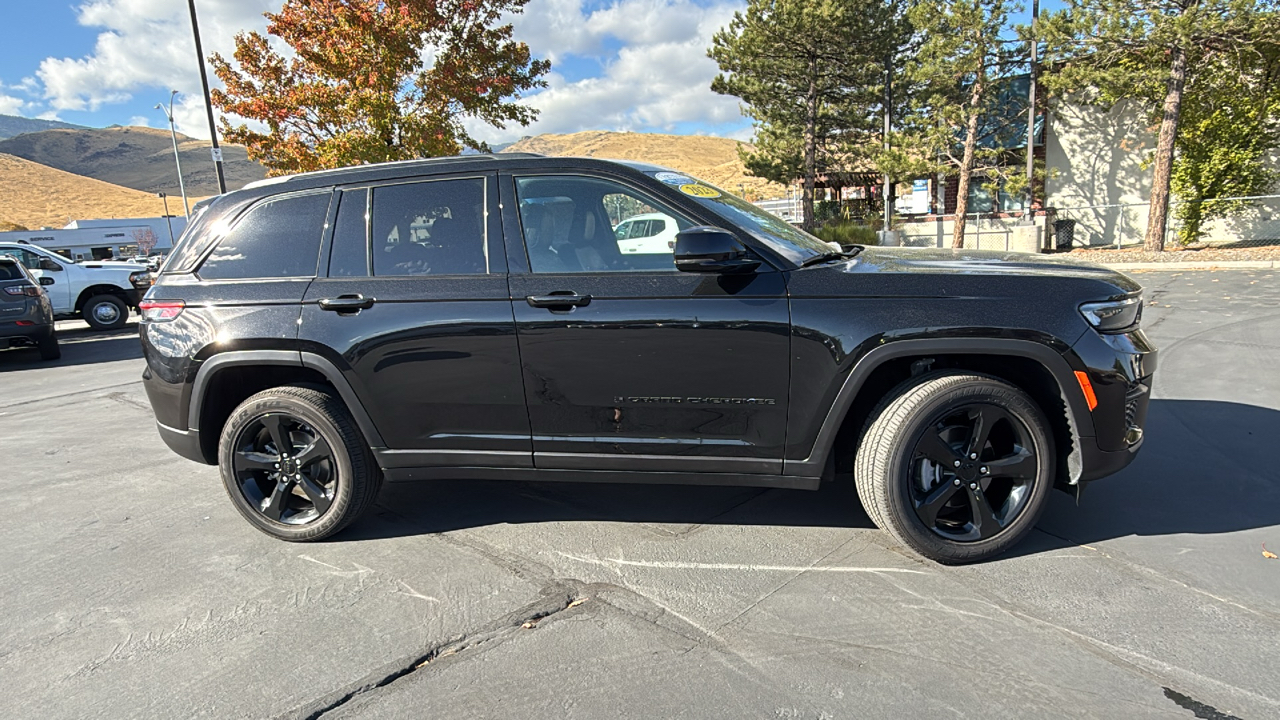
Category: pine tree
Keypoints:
(1156, 53)
(810, 74)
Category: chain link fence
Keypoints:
(1242, 222)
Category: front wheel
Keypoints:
(295, 465)
(957, 467)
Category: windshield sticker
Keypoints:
(701, 191)
(671, 178)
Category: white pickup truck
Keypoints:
(101, 292)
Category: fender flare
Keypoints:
(240, 358)
(1078, 418)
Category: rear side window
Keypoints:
(430, 228)
(277, 239)
(10, 271)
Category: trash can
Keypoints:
(1064, 233)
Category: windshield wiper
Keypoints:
(851, 251)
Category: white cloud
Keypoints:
(659, 79)
(146, 45)
(140, 121)
(10, 105)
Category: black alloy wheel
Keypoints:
(973, 472)
(285, 469)
(295, 464)
(957, 466)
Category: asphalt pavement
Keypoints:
(131, 588)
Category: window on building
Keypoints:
(983, 200)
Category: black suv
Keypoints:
(481, 317)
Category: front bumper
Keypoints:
(1120, 369)
(184, 442)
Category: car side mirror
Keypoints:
(46, 281)
(47, 264)
(704, 249)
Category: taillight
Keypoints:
(28, 290)
(161, 310)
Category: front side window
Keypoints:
(430, 228)
(276, 239)
(582, 224)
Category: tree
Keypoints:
(810, 74)
(359, 87)
(961, 76)
(1228, 127)
(1157, 53)
(7, 226)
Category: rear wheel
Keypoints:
(295, 465)
(957, 467)
(48, 346)
(105, 312)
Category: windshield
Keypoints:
(781, 236)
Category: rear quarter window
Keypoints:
(275, 239)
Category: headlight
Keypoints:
(140, 279)
(1114, 316)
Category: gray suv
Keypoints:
(26, 315)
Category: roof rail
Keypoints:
(373, 166)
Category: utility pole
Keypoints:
(208, 103)
(173, 133)
(1029, 214)
(888, 127)
(165, 198)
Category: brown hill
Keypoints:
(36, 196)
(712, 159)
(135, 157)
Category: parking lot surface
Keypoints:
(133, 589)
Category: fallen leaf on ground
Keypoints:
(1267, 553)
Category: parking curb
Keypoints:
(1197, 265)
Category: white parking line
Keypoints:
(670, 565)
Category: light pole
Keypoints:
(165, 198)
(208, 103)
(173, 133)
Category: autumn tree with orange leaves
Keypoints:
(374, 81)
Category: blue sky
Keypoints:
(634, 65)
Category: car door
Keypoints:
(629, 363)
(414, 311)
(57, 285)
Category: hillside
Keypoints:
(712, 159)
(36, 196)
(11, 125)
(135, 157)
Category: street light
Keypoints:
(173, 133)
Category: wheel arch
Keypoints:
(227, 379)
(94, 290)
(1036, 368)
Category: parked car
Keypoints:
(475, 318)
(100, 291)
(651, 233)
(26, 315)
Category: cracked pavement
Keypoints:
(133, 589)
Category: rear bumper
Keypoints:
(184, 442)
(11, 331)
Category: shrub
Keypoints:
(847, 233)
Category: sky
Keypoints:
(637, 65)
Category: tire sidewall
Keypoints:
(96, 300)
(898, 497)
(255, 408)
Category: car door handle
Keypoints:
(559, 299)
(346, 303)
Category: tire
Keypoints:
(105, 312)
(346, 480)
(48, 346)
(936, 498)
